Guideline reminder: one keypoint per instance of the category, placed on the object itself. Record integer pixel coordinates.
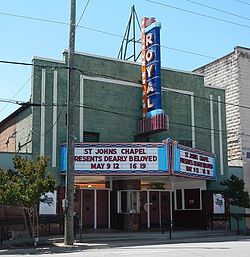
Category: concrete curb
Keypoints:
(110, 240)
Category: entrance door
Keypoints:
(159, 208)
(88, 208)
(102, 208)
(93, 208)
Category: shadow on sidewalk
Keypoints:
(113, 240)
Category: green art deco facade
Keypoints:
(108, 104)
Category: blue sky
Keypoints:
(186, 27)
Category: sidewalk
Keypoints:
(102, 240)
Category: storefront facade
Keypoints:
(107, 108)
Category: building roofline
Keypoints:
(47, 59)
(243, 47)
(13, 114)
(214, 87)
(220, 58)
(130, 62)
(212, 62)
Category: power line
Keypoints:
(12, 101)
(243, 2)
(58, 23)
(188, 52)
(125, 115)
(214, 100)
(99, 75)
(137, 117)
(119, 36)
(34, 18)
(56, 121)
(219, 10)
(84, 10)
(105, 33)
(53, 125)
(199, 14)
(16, 93)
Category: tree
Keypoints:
(235, 190)
(23, 188)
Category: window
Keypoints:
(128, 201)
(186, 142)
(141, 139)
(192, 198)
(91, 137)
(248, 155)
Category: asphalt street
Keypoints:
(239, 248)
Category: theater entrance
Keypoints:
(155, 208)
(93, 208)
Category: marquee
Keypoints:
(122, 159)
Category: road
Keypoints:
(240, 248)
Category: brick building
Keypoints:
(232, 73)
(15, 131)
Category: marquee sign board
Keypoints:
(122, 159)
(192, 162)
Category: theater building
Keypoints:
(134, 168)
(123, 180)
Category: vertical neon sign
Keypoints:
(151, 68)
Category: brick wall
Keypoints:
(224, 73)
(8, 136)
(15, 131)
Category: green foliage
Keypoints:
(235, 190)
(23, 188)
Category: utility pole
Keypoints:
(70, 178)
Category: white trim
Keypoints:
(171, 209)
(192, 121)
(175, 200)
(182, 199)
(81, 210)
(81, 118)
(160, 208)
(191, 94)
(54, 132)
(111, 184)
(47, 59)
(220, 137)
(148, 209)
(200, 200)
(178, 91)
(95, 208)
(111, 81)
(109, 214)
(42, 120)
(127, 83)
(212, 123)
(118, 202)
